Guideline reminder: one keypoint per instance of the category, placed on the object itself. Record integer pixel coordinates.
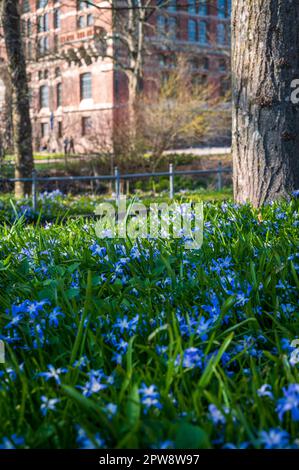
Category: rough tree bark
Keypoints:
(265, 61)
(22, 131)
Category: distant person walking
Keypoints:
(72, 146)
(66, 143)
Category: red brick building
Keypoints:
(76, 88)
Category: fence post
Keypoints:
(171, 181)
(219, 183)
(117, 183)
(34, 199)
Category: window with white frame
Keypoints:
(57, 20)
(59, 95)
(44, 96)
(85, 86)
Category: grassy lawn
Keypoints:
(55, 205)
(144, 343)
(41, 156)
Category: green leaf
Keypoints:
(133, 408)
(189, 436)
(213, 362)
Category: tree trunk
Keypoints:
(132, 98)
(22, 130)
(265, 61)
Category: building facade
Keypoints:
(77, 85)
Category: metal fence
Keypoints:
(117, 177)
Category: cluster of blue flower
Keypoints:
(189, 333)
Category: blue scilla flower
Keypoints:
(51, 196)
(111, 409)
(203, 328)
(117, 358)
(120, 249)
(242, 298)
(15, 321)
(54, 317)
(150, 396)
(275, 438)
(85, 441)
(286, 345)
(75, 280)
(93, 385)
(12, 442)
(192, 357)
(39, 335)
(34, 308)
(11, 373)
(11, 337)
(16, 309)
(81, 363)
(124, 324)
(213, 309)
(42, 269)
(221, 264)
(164, 445)
(48, 404)
(288, 309)
(290, 402)
(265, 391)
(98, 250)
(121, 345)
(53, 373)
(216, 415)
(242, 445)
(135, 252)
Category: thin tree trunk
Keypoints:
(265, 60)
(11, 24)
(133, 94)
